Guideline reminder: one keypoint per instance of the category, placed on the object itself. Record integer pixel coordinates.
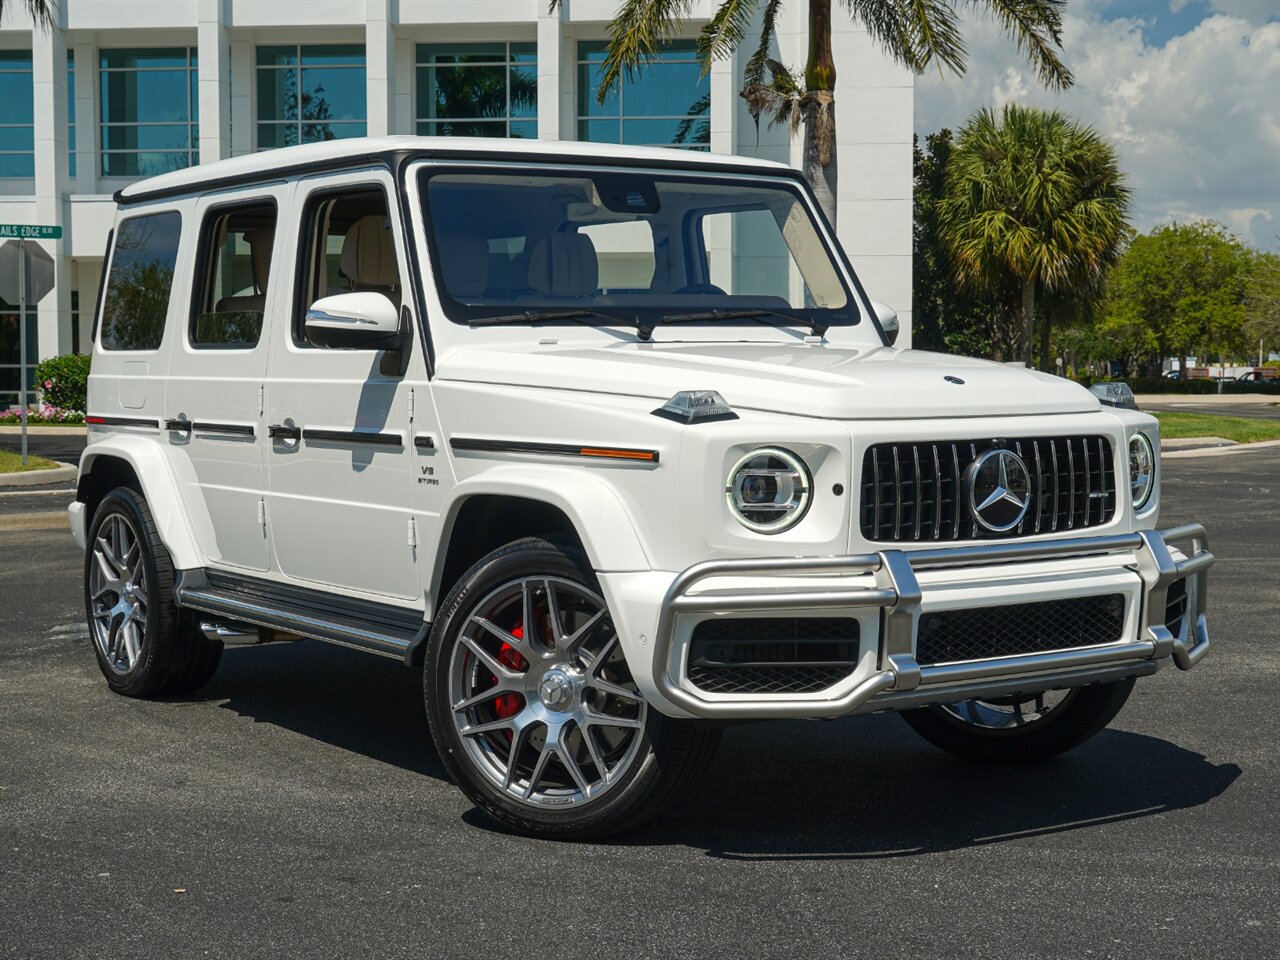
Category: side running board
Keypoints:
(360, 624)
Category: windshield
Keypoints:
(512, 246)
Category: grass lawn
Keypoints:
(11, 462)
(1176, 425)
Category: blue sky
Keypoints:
(1187, 90)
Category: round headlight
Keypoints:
(769, 490)
(1142, 470)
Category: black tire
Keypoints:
(175, 657)
(1086, 713)
(669, 757)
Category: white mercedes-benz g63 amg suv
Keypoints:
(611, 444)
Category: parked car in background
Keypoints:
(1258, 375)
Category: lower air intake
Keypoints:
(777, 655)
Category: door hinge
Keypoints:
(413, 533)
(411, 404)
(262, 398)
(262, 514)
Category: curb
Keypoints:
(1221, 451)
(38, 430)
(34, 478)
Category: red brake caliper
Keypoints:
(509, 704)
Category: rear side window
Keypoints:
(234, 270)
(140, 283)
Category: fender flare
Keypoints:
(161, 486)
(601, 520)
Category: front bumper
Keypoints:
(897, 681)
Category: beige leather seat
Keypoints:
(564, 266)
(260, 242)
(369, 258)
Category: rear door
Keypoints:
(340, 453)
(218, 370)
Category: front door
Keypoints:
(340, 451)
(217, 373)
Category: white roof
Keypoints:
(271, 160)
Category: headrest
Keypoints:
(369, 253)
(259, 242)
(564, 265)
(465, 261)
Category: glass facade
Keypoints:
(666, 104)
(477, 89)
(309, 93)
(17, 116)
(10, 340)
(71, 113)
(148, 103)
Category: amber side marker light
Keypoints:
(649, 455)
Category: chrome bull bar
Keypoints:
(899, 681)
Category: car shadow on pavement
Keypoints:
(861, 788)
(869, 788)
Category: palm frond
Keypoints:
(1036, 26)
(916, 33)
(636, 34)
(40, 11)
(725, 30)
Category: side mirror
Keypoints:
(1115, 394)
(888, 318)
(354, 321)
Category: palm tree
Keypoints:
(41, 11)
(1033, 196)
(916, 33)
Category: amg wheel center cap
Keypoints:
(556, 690)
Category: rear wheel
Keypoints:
(1021, 728)
(144, 644)
(533, 707)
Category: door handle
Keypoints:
(183, 426)
(278, 431)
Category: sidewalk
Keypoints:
(1207, 399)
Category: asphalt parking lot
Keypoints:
(295, 808)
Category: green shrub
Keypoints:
(64, 381)
(1165, 385)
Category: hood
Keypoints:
(810, 380)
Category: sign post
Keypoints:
(22, 233)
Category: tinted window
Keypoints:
(235, 265)
(138, 289)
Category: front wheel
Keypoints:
(533, 708)
(1021, 728)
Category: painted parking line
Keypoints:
(56, 520)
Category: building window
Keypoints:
(309, 93)
(667, 103)
(477, 89)
(148, 111)
(10, 353)
(71, 115)
(17, 116)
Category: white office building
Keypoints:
(124, 89)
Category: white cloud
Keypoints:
(1196, 121)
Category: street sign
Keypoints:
(26, 231)
(40, 274)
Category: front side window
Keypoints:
(632, 245)
(235, 263)
(348, 247)
(149, 111)
(667, 104)
(478, 89)
(140, 282)
(17, 115)
(308, 93)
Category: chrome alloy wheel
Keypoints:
(541, 696)
(118, 593)
(1009, 715)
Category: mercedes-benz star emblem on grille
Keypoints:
(999, 490)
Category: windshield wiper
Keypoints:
(752, 313)
(643, 329)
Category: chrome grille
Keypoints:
(916, 491)
(984, 632)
